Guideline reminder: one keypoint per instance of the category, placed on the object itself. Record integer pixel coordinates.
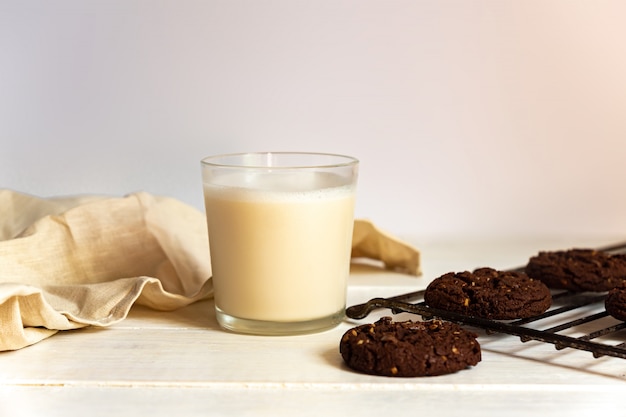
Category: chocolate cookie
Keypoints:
(488, 293)
(615, 302)
(578, 269)
(409, 348)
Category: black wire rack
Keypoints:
(575, 320)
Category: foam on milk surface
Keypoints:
(296, 185)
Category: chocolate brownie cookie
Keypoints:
(578, 269)
(409, 348)
(489, 293)
(615, 302)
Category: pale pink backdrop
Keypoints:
(472, 119)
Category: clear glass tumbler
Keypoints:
(280, 233)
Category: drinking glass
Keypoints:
(280, 234)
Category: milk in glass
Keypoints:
(280, 245)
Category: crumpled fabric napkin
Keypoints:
(71, 262)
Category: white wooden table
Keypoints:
(181, 364)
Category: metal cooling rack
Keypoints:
(581, 314)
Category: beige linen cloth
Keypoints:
(71, 262)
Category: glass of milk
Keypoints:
(280, 237)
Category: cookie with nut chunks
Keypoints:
(489, 293)
(409, 348)
(578, 269)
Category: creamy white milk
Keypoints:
(280, 255)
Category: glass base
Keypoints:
(278, 328)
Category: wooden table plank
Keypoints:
(181, 362)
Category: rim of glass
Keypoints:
(213, 160)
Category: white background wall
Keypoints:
(470, 118)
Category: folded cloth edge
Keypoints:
(368, 241)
